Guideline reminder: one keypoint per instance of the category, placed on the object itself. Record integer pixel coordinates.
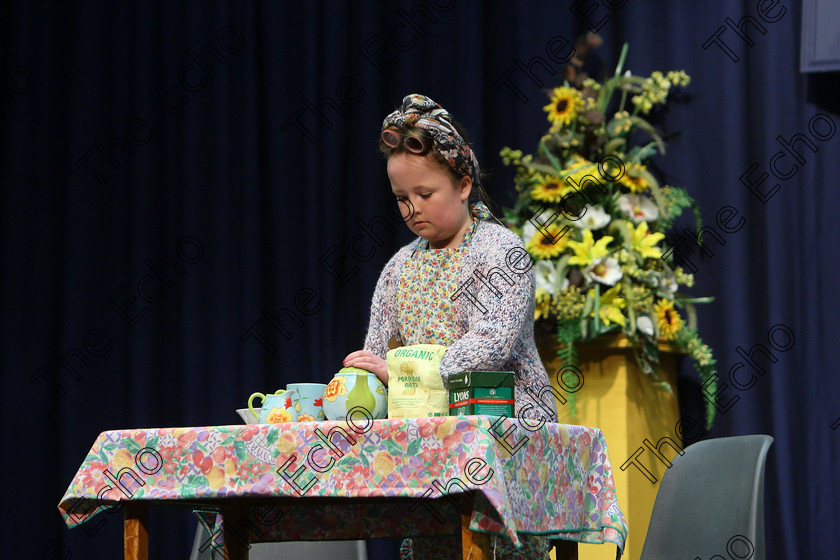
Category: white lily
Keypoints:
(528, 231)
(543, 219)
(545, 275)
(638, 208)
(645, 325)
(667, 285)
(605, 270)
(594, 218)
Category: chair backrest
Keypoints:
(711, 502)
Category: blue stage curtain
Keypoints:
(193, 208)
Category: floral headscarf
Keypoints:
(480, 211)
(422, 112)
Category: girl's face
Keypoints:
(437, 200)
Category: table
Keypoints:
(320, 480)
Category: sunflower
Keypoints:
(669, 320)
(548, 243)
(564, 107)
(549, 189)
(634, 180)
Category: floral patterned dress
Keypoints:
(427, 280)
(427, 316)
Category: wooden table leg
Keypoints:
(237, 546)
(136, 539)
(475, 545)
(565, 550)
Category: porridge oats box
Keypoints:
(481, 392)
(415, 387)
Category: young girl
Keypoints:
(463, 283)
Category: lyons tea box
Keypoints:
(415, 387)
(481, 392)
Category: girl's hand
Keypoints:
(370, 362)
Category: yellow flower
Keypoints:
(645, 242)
(569, 303)
(549, 189)
(542, 306)
(609, 306)
(589, 83)
(582, 167)
(548, 242)
(683, 277)
(669, 320)
(678, 77)
(642, 102)
(634, 180)
(564, 107)
(510, 156)
(588, 250)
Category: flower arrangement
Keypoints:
(593, 217)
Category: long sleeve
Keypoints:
(508, 301)
(383, 308)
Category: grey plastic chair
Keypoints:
(711, 502)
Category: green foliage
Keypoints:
(568, 332)
(689, 342)
(674, 200)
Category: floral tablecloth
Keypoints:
(554, 480)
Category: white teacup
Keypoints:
(247, 416)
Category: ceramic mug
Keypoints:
(282, 406)
(311, 397)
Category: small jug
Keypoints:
(282, 406)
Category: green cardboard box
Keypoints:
(481, 392)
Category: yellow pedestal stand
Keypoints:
(620, 400)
